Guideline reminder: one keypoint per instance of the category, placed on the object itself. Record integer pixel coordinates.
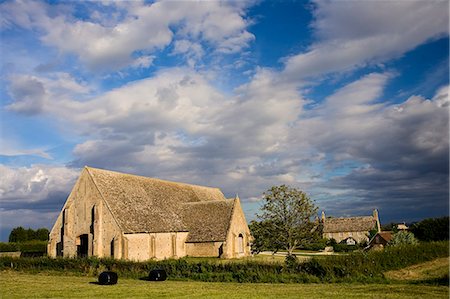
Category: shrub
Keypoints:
(27, 247)
(8, 247)
(432, 229)
(316, 246)
(356, 266)
(403, 237)
(291, 261)
(344, 247)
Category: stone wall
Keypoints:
(339, 236)
(144, 246)
(238, 239)
(85, 213)
(207, 249)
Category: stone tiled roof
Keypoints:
(141, 204)
(209, 220)
(386, 235)
(350, 224)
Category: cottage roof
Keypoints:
(350, 224)
(386, 235)
(382, 238)
(142, 204)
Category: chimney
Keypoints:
(377, 219)
(323, 216)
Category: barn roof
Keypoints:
(350, 224)
(142, 204)
(208, 221)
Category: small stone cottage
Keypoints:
(111, 214)
(350, 228)
(381, 239)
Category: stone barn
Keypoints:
(111, 214)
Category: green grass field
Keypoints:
(20, 285)
(428, 271)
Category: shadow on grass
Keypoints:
(443, 281)
(146, 278)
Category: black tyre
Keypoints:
(157, 275)
(107, 278)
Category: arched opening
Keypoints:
(221, 250)
(240, 243)
(82, 245)
(92, 220)
(112, 248)
(60, 245)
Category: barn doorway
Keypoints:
(83, 245)
(221, 250)
(59, 249)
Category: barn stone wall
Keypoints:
(85, 214)
(238, 239)
(204, 249)
(144, 246)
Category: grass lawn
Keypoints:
(432, 270)
(20, 285)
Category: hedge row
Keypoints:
(31, 246)
(363, 266)
(358, 266)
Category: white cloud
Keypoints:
(7, 150)
(35, 94)
(178, 120)
(10, 219)
(29, 95)
(34, 184)
(351, 35)
(103, 45)
(143, 62)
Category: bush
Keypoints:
(357, 266)
(27, 247)
(403, 237)
(432, 229)
(8, 247)
(344, 247)
(291, 261)
(316, 246)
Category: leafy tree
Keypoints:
(390, 227)
(289, 212)
(403, 237)
(31, 234)
(19, 234)
(262, 232)
(432, 229)
(373, 232)
(42, 234)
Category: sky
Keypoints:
(345, 100)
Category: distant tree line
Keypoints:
(20, 234)
(431, 229)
